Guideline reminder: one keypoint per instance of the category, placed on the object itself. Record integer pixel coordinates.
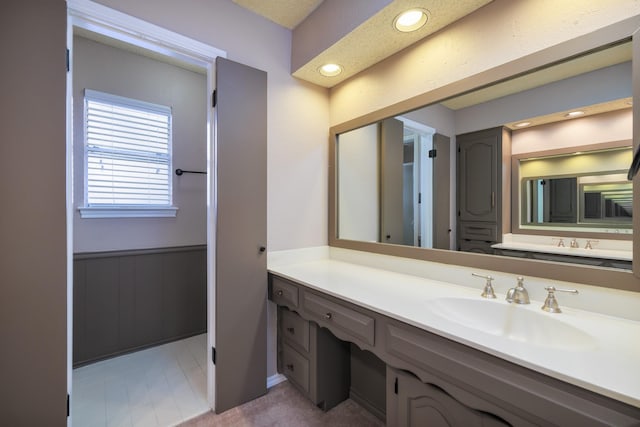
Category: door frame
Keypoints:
(108, 22)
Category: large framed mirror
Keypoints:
(395, 173)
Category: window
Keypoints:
(127, 157)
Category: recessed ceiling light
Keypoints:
(522, 124)
(574, 114)
(411, 20)
(330, 70)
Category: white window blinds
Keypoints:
(127, 152)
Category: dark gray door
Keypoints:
(478, 177)
(241, 270)
(441, 192)
(563, 200)
(392, 153)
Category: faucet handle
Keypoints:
(551, 303)
(560, 241)
(589, 242)
(488, 287)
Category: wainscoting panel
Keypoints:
(126, 300)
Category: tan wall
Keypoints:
(33, 281)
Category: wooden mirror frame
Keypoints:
(597, 276)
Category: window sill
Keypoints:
(128, 212)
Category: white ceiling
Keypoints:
(288, 13)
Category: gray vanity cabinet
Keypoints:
(430, 380)
(483, 161)
(424, 404)
(313, 360)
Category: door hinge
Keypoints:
(214, 98)
(213, 355)
(432, 153)
(68, 405)
(68, 61)
(395, 386)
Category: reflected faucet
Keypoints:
(589, 242)
(519, 294)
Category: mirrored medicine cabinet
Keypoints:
(392, 173)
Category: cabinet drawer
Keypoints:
(296, 367)
(295, 330)
(347, 320)
(479, 231)
(283, 292)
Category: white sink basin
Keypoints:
(512, 321)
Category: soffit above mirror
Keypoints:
(288, 13)
(355, 34)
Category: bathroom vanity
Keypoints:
(450, 354)
(600, 253)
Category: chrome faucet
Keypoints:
(574, 243)
(519, 294)
(589, 242)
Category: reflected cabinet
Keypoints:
(481, 188)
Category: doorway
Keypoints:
(91, 19)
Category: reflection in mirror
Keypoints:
(396, 178)
(385, 191)
(581, 189)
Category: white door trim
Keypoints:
(111, 23)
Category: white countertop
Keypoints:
(580, 252)
(606, 249)
(610, 365)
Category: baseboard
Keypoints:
(275, 380)
(377, 412)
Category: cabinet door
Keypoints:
(478, 167)
(241, 270)
(421, 404)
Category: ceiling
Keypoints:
(362, 42)
(288, 13)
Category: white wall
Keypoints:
(298, 118)
(358, 184)
(498, 33)
(613, 126)
(107, 69)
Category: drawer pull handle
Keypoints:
(280, 293)
(328, 316)
(291, 330)
(290, 367)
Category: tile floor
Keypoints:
(159, 386)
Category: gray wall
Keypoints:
(33, 305)
(104, 68)
(597, 86)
